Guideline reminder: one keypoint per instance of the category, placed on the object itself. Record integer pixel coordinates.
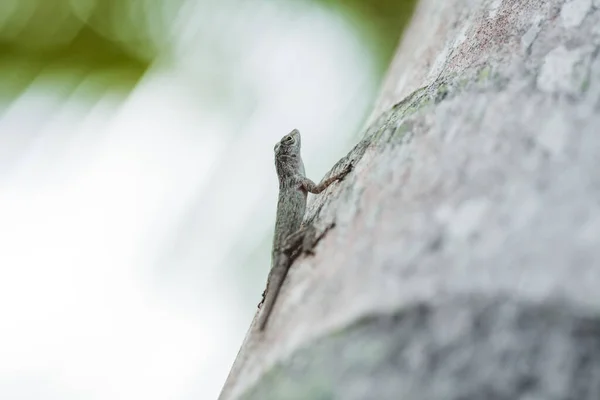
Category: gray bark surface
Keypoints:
(465, 258)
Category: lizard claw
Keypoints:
(347, 170)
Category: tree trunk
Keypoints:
(465, 258)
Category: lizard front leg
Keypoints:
(312, 187)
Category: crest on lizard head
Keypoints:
(289, 145)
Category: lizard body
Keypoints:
(291, 206)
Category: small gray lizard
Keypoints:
(291, 206)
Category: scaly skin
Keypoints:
(291, 206)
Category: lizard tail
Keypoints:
(274, 283)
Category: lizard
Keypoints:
(294, 187)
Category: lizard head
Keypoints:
(289, 145)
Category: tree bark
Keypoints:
(465, 258)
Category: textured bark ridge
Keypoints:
(465, 258)
(456, 348)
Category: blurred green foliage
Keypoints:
(72, 36)
(86, 53)
(123, 35)
(384, 19)
(86, 49)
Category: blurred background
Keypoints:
(137, 185)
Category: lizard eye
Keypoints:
(288, 139)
